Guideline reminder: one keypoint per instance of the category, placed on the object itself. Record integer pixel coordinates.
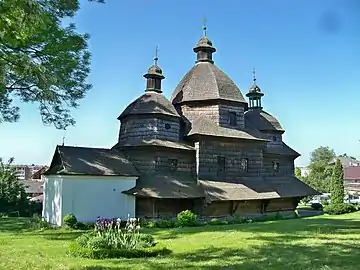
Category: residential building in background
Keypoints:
(346, 161)
(352, 179)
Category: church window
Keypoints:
(157, 163)
(220, 165)
(232, 119)
(167, 126)
(276, 166)
(173, 163)
(244, 164)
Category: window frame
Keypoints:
(173, 164)
(221, 161)
(276, 165)
(246, 168)
(232, 119)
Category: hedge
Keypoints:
(77, 251)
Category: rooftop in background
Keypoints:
(352, 173)
(346, 161)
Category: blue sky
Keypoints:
(306, 54)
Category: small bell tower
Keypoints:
(255, 95)
(154, 76)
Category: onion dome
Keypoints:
(254, 95)
(205, 81)
(152, 101)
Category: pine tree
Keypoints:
(337, 184)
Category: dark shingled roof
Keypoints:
(262, 120)
(205, 81)
(203, 126)
(166, 186)
(282, 149)
(256, 189)
(150, 103)
(155, 142)
(70, 160)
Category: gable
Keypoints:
(70, 160)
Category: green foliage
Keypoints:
(37, 223)
(166, 223)
(322, 154)
(216, 221)
(70, 221)
(187, 219)
(42, 60)
(102, 253)
(340, 208)
(110, 240)
(12, 190)
(337, 184)
(298, 173)
(317, 206)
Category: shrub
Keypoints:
(166, 223)
(111, 240)
(187, 219)
(102, 253)
(36, 222)
(84, 226)
(317, 206)
(238, 219)
(70, 221)
(324, 202)
(216, 221)
(338, 209)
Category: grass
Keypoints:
(322, 242)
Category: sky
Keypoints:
(306, 54)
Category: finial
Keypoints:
(63, 140)
(204, 26)
(156, 55)
(254, 75)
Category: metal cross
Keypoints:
(63, 140)
(156, 55)
(204, 26)
(254, 75)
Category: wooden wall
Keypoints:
(209, 149)
(162, 208)
(217, 111)
(152, 159)
(146, 128)
(286, 165)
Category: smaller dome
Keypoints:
(263, 121)
(204, 42)
(255, 88)
(155, 70)
(150, 103)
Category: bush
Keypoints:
(338, 209)
(111, 240)
(317, 206)
(166, 223)
(70, 221)
(84, 226)
(36, 222)
(103, 253)
(216, 221)
(187, 219)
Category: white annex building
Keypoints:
(79, 182)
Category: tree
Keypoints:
(337, 184)
(322, 154)
(12, 190)
(298, 173)
(42, 61)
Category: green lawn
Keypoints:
(325, 242)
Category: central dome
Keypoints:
(205, 81)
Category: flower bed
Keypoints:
(110, 240)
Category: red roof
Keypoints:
(352, 173)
